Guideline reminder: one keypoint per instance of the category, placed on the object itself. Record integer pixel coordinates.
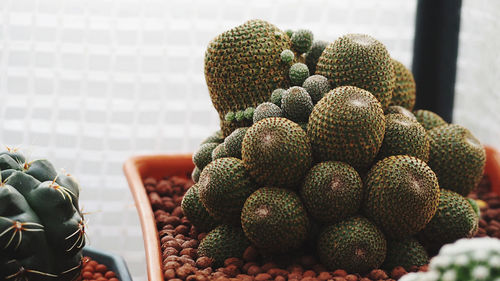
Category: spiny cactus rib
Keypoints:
(26, 165)
(81, 236)
(71, 269)
(11, 149)
(18, 227)
(23, 163)
(63, 190)
(22, 270)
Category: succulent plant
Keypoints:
(316, 86)
(215, 137)
(297, 104)
(348, 103)
(302, 40)
(314, 53)
(230, 116)
(359, 60)
(266, 110)
(239, 115)
(42, 230)
(298, 73)
(404, 93)
(276, 96)
(287, 56)
(466, 259)
(248, 113)
(242, 68)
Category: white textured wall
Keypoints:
(477, 96)
(89, 83)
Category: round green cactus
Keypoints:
(298, 73)
(42, 231)
(218, 152)
(466, 259)
(276, 96)
(215, 137)
(195, 175)
(267, 110)
(316, 86)
(302, 40)
(203, 155)
(287, 56)
(297, 104)
(312, 56)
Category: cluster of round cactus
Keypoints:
(331, 153)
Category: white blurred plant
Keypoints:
(476, 259)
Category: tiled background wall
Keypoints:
(88, 84)
(477, 91)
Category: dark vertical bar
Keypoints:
(435, 55)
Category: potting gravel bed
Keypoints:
(179, 242)
(94, 271)
(489, 204)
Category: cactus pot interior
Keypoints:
(159, 166)
(113, 262)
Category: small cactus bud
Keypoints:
(239, 115)
(276, 96)
(302, 40)
(230, 116)
(298, 74)
(287, 56)
(248, 113)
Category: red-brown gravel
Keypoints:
(179, 242)
(489, 204)
(94, 271)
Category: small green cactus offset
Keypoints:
(302, 40)
(276, 96)
(287, 56)
(475, 259)
(298, 73)
(42, 231)
(230, 116)
(239, 115)
(248, 113)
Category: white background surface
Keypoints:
(88, 84)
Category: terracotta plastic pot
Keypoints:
(492, 168)
(158, 166)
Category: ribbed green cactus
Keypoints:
(467, 259)
(42, 231)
